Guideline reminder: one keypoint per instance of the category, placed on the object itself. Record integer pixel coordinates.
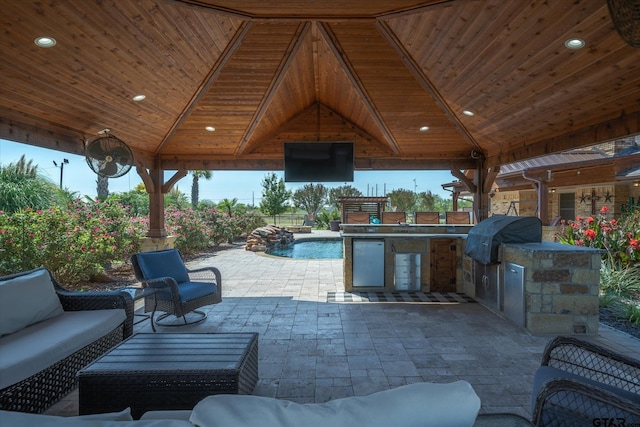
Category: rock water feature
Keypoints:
(268, 237)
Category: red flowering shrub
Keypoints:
(618, 237)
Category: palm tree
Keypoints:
(228, 205)
(22, 187)
(195, 187)
(102, 187)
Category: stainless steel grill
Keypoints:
(484, 238)
(482, 245)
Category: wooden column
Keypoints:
(153, 182)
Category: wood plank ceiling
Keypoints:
(373, 72)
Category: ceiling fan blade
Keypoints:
(95, 150)
(109, 168)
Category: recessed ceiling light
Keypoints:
(139, 98)
(467, 113)
(574, 43)
(424, 128)
(210, 128)
(45, 42)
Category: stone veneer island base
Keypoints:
(561, 286)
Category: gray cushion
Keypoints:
(422, 404)
(38, 346)
(26, 300)
(163, 264)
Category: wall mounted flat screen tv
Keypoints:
(318, 161)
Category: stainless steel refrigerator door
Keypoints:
(514, 293)
(368, 263)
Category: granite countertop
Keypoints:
(553, 247)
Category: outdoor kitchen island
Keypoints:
(390, 258)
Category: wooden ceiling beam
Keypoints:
(619, 127)
(232, 163)
(351, 73)
(63, 142)
(292, 50)
(230, 49)
(468, 184)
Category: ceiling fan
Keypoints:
(108, 155)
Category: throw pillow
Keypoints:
(26, 300)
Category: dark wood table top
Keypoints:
(157, 352)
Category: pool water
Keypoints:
(311, 249)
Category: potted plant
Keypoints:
(329, 219)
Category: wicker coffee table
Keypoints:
(169, 371)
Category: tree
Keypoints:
(425, 201)
(195, 185)
(274, 196)
(404, 200)
(102, 184)
(137, 200)
(342, 191)
(228, 205)
(176, 198)
(310, 198)
(22, 187)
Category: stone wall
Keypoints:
(561, 288)
(151, 244)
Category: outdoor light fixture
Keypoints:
(636, 184)
(424, 128)
(468, 113)
(45, 42)
(210, 129)
(139, 98)
(62, 163)
(574, 43)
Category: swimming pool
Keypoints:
(311, 249)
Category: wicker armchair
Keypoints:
(580, 382)
(179, 290)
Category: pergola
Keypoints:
(458, 85)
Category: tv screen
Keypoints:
(318, 161)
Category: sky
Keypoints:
(243, 185)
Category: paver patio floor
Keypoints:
(314, 351)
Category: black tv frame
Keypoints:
(319, 161)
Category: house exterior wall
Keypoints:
(613, 196)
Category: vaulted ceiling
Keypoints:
(265, 72)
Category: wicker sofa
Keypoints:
(48, 333)
(445, 405)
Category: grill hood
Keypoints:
(485, 237)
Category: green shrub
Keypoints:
(74, 242)
(189, 228)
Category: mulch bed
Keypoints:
(608, 318)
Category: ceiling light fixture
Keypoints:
(210, 129)
(424, 128)
(139, 98)
(45, 42)
(574, 43)
(468, 113)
